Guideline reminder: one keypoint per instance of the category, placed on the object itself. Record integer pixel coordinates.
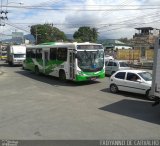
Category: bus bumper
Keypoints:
(91, 77)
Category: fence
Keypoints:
(132, 55)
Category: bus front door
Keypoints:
(45, 61)
(71, 64)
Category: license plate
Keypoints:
(93, 78)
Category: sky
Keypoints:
(113, 19)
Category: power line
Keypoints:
(17, 27)
(47, 3)
(132, 26)
(125, 22)
(78, 9)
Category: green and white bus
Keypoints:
(68, 61)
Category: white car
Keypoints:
(136, 81)
(114, 65)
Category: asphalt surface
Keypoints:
(42, 107)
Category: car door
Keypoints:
(108, 67)
(119, 80)
(115, 67)
(134, 84)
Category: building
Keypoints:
(145, 36)
(144, 39)
(3, 51)
(112, 46)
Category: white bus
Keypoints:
(68, 61)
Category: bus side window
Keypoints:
(62, 54)
(33, 55)
(39, 54)
(53, 53)
(28, 53)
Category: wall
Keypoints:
(134, 54)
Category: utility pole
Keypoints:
(36, 41)
(3, 13)
(36, 34)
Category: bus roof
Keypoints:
(49, 44)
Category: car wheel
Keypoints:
(150, 97)
(113, 88)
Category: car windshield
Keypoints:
(146, 76)
(123, 64)
(4, 54)
(90, 60)
(19, 55)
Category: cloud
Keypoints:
(110, 23)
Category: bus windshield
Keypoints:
(90, 60)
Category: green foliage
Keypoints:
(86, 34)
(47, 33)
(125, 40)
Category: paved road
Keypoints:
(42, 107)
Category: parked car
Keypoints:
(136, 81)
(114, 65)
(108, 57)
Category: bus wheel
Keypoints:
(36, 70)
(62, 75)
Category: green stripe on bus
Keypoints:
(89, 76)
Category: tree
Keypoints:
(47, 33)
(125, 40)
(86, 34)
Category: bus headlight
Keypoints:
(79, 72)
